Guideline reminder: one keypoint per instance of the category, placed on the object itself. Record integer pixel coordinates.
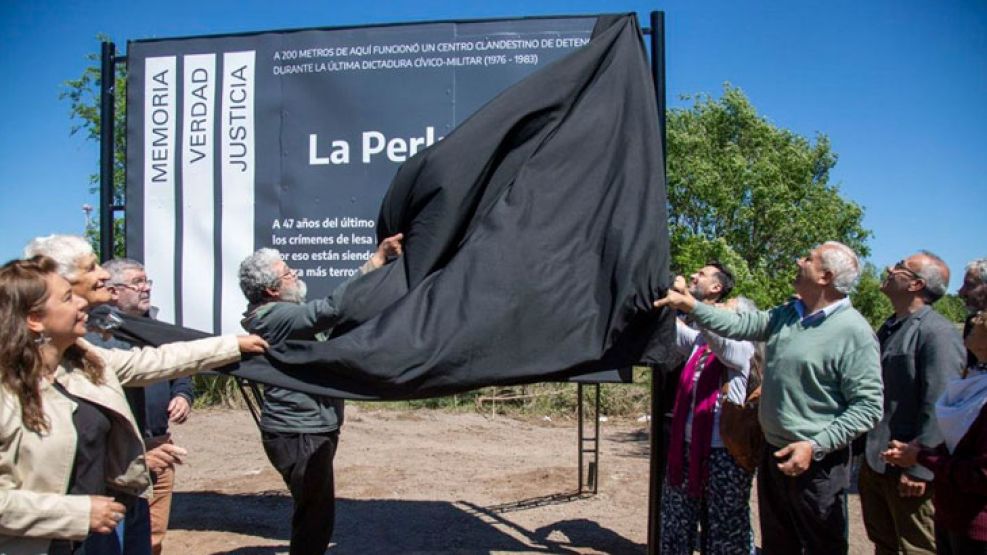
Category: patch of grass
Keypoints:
(543, 399)
(216, 390)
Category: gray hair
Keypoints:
(257, 274)
(118, 266)
(936, 280)
(65, 250)
(844, 265)
(978, 267)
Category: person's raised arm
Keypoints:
(142, 366)
(389, 247)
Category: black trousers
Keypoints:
(949, 542)
(305, 463)
(805, 513)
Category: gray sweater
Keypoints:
(285, 410)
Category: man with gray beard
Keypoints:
(300, 432)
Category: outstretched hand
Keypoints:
(387, 248)
(253, 344)
(682, 301)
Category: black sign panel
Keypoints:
(289, 140)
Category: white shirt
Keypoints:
(735, 355)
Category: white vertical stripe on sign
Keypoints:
(198, 165)
(160, 111)
(237, 161)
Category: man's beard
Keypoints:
(697, 292)
(295, 293)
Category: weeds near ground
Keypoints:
(544, 399)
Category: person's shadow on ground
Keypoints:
(391, 526)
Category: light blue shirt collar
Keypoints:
(822, 313)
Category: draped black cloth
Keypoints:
(535, 243)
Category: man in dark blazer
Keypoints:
(920, 351)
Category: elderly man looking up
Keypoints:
(300, 432)
(920, 352)
(821, 388)
(960, 462)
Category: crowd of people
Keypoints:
(87, 461)
(910, 401)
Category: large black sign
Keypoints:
(289, 140)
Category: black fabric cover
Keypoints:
(535, 243)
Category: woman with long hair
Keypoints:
(71, 457)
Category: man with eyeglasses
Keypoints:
(920, 351)
(156, 405)
(299, 431)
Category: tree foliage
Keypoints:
(868, 298)
(753, 195)
(952, 307)
(83, 96)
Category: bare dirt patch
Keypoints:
(423, 482)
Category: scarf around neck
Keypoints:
(707, 390)
(960, 405)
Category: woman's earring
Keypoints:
(42, 339)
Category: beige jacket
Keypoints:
(35, 468)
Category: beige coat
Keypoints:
(35, 468)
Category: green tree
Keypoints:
(83, 96)
(753, 194)
(952, 307)
(868, 298)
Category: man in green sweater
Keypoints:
(822, 388)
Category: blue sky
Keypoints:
(898, 86)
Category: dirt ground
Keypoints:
(424, 482)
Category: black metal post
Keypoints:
(594, 470)
(107, 85)
(579, 439)
(657, 448)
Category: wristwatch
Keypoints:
(818, 453)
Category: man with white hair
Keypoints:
(821, 389)
(300, 432)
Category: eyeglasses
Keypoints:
(290, 272)
(137, 285)
(900, 267)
